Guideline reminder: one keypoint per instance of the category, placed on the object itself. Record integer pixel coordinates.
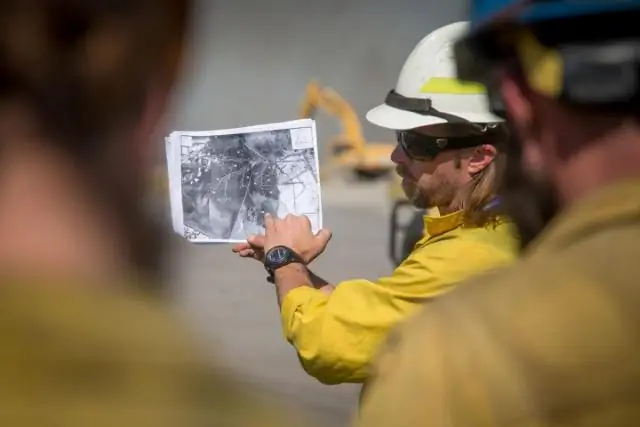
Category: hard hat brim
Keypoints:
(395, 119)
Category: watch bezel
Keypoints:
(292, 257)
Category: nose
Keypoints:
(398, 155)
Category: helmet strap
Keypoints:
(422, 106)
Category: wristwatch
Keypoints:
(279, 256)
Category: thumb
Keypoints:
(322, 237)
(239, 247)
(256, 240)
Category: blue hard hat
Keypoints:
(577, 72)
(484, 12)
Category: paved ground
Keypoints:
(232, 306)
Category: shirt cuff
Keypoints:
(295, 298)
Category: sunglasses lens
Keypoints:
(418, 146)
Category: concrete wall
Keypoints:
(252, 59)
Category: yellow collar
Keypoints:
(612, 204)
(435, 225)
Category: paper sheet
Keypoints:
(222, 182)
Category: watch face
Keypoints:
(278, 255)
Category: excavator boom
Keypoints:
(333, 104)
(349, 149)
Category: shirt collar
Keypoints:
(609, 205)
(436, 224)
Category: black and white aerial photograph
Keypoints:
(229, 181)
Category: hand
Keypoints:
(252, 248)
(295, 232)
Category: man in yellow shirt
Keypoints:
(85, 336)
(449, 155)
(553, 339)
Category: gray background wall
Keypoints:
(252, 59)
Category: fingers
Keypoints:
(251, 253)
(252, 248)
(239, 247)
(243, 249)
(295, 221)
(306, 221)
(323, 236)
(272, 223)
(247, 253)
(269, 223)
(253, 242)
(256, 240)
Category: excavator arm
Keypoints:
(328, 100)
(349, 148)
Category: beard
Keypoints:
(415, 195)
(418, 198)
(528, 199)
(437, 192)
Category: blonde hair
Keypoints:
(484, 186)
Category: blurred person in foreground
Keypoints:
(449, 155)
(553, 339)
(86, 338)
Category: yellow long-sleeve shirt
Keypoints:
(337, 335)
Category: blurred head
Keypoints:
(451, 166)
(570, 95)
(84, 86)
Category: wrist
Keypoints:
(289, 277)
(297, 267)
(280, 257)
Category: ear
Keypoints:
(481, 158)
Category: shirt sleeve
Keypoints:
(451, 365)
(407, 386)
(422, 374)
(337, 335)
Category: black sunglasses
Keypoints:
(418, 146)
(421, 147)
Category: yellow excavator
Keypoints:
(349, 149)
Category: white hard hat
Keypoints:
(428, 91)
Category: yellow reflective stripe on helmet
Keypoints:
(542, 66)
(451, 86)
